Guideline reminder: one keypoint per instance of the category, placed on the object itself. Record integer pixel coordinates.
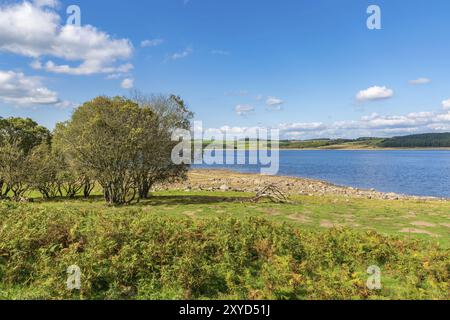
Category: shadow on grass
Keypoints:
(155, 200)
(187, 200)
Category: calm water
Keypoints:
(422, 173)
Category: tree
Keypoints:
(72, 177)
(104, 136)
(156, 164)
(14, 164)
(43, 171)
(18, 137)
(123, 144)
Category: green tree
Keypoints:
(44, 169)
(156, 164)
(18, 138)
(104, 136)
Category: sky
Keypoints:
(310, 68)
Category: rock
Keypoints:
(224, 188)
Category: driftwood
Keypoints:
(271, 192)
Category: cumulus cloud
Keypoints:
(34, 29)
(243, 109)
(127, 83)
(46, 3)
(446, 104)
(18, 89)
(420, 81)
(375, 93)
(302, 127)
(151, 43)
(274, 103)
(374, 125)
(180, 55)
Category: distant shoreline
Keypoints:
(368, 149)
(352, 149)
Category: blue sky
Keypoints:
(310, 68)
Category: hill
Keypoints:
(428, 140)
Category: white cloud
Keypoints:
(446, 104)
(274, 104)
(375, 93)
(115, 76)
(152, 43)
(180, 55)
(35, 30)
(272, 101)
(46, 3)
(374, 125)
(20, 90)
(127, 83)
(420, 81)
(65, 104)
(243, 109)
(301, 127)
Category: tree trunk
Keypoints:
(88, 187)
(144, 189)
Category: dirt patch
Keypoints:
(346, 216)
(423, 224)
(299, 218)
(329, 224)
(382, 219)
(418, 231)
(272, 212)
(447, 225)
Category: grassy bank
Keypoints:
(209, 245)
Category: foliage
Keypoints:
(44, 169)
(138, 255)
(123, 144)
(18, 138)
(430, 140)
(155, 163)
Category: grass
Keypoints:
(312, 213)
(216, 245)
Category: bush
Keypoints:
(137, 255)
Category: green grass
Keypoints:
(311, 213)
(212, 245)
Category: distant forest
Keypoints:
(428, 140)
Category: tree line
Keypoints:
(427, 140)
(122, 144)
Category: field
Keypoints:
(212, 245)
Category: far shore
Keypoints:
(368, 149)
(350, 149)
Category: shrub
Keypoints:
(136, 255)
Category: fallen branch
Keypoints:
(272, 193)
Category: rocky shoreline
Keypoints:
(226, 180)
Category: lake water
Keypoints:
(412, 172)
